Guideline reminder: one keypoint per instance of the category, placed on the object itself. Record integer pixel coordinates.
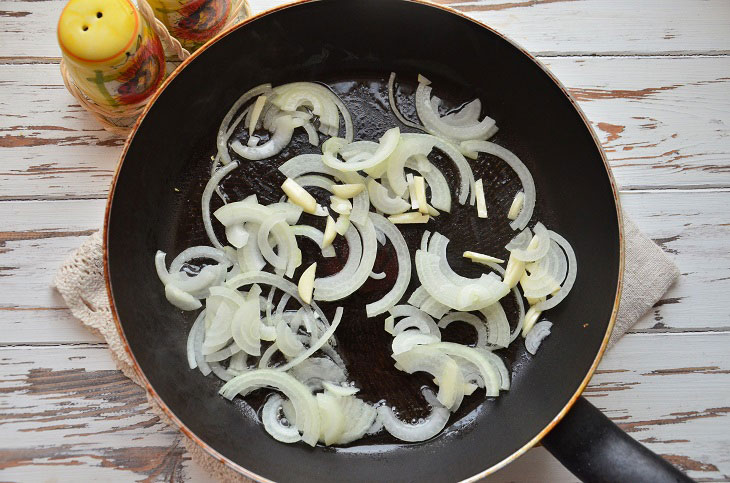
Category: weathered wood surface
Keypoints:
(653, 78)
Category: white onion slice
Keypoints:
(382, 201)
(180, 299)
(434, 308)
(498, 333)
(273, 424)
(314, 371)
(316, 236)
(210, 188)
(466, 176)
(441, 366)
(490, 375)
(435, 125)
(337, 286)
(340, 205)
(404, 266)
(338, 390)
(394, 107)
(470, 319)
(535, 337)
(283, 129)
(424, 324)
(332, 419)
(536, 250)
(387, 145)
(520, 304)
(305, 404)
(198, 325)
(569, 279)
(420, 431)
(440, 191)
(317, 344)
(528, 184)
(360, 417)
(408, 339)
(224, 131)
(193, 253)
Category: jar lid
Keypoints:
(97, 30)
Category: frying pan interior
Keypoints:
(353, 45)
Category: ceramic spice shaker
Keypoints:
(110, 52)
(193, 22)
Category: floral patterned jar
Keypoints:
(110, 52)
(193, 22)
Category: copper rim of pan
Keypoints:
(215, 454)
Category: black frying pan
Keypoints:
(353, 45)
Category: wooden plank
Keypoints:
(692, 226)
(551, 27)
(73, 416)
(72, 395)
(588, 27)
(658, 133)
(664, 123)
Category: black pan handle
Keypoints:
(594, 449)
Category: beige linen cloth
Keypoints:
(648, 274)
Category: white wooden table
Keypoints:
(653, 77)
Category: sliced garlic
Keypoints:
(347, 190)
(409, 218)
(481, 258)
(329, 233)
(481, 202)
(419, 188)
(516, 206)
(530, 319)
(514, 271)
(306, 283)
(299, 196)
(340, 205)
(342, 224)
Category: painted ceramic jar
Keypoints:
(111, 52)
(193, 22)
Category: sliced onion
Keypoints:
(332, 419)
(360, 417)
(498, 333)
(197, 327)
(246, 327)
(314, 371)
(210, 188)
(424, 324)
(418, 296)
(394, 107)
(528, 184)
(406, 148)
(338, 390)
(420, 431)
(404, 267)
(470, 319)
(408, 339)
(180, 299)
(382, 201)
(520, 304)
(225, 131)
(434, 308)
(283, 129)
(466, 296)
(466, 176)
(535, 337)
(440, 192)
(490, 374)
(317, 344)
(305, 404)
(316, 236)
(286, 341)
(339, 286)
(536, 250)
(387, 145)
(435, 125)
(569, 279)
(273, 424)
(441, 366)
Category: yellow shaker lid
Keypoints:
(97, 30)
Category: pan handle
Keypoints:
(594, 449)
